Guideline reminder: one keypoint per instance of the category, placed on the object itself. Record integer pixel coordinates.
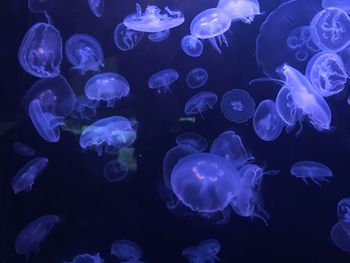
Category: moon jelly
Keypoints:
(193, 140)
(85, 108)
(340, 237)
(162, 80)
(196, 78)
(159, 36)
(126, 250)
(192, 46)
(97, 7)
(315, 171)
(115, 171)
(200, 102)
(87, 258)
(40, 6)
(206, 251)
(23, 149)
(126, 38)
(343, 212)
(342, 4)
(244, 10)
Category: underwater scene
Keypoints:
(170, 131)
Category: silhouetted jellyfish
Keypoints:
(126, 38)
(97, 7)
(192, 46)
(330, 29)
(342, 4)
(196, 78)
(162, 80)
(114, 132)
(153, 20)
(205, 252)
(340, 237)
(327, 73)
(85, 108)
(107, 87)
(84, 52)
(159, 36)
(244, 10)
(200, 102)
(193, 140)
(267, 123)
(237, 106)
(115, 171)
(315, 171)
(40, 6)
(86, 258)
(23, 149)
(34, 233)
(211, 24)
(126, 251)
(343, 212)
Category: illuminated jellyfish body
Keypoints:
(211, 24)
(340, 237)
(115, 132)
(192, 46)
(267, 123)
(342, 4)
(343, 212)
(84, 53)
(40, 53)
(193, 140)
(108, 87)
(330, 29)
(327, 73)
(23, 149)
(85, 108)
(126, 251)
(97, 7)
(34, 233)
(86, 258)
(40, 6)
(315, 171)
(153, 19)
(206, 252)
(237, 106)
(162, 80)
(197, 78)
(126, 38)
(200, 102)
(115, 171)
(159, 36)
(276, 45)
(244, 10)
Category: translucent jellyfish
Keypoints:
(87, 258)
(200, 102)
(85, 108)
(315, 171)
(126, 250)
(267, 123)
(340, 237)
(23, 149)
(327, 73)
(193, 140)
(192, 46)
(159, 36)
(343, 212)
(115, 132)
(34, 233)
(196, 78)
(206, 251)
(107, 87)
(40, 6)
(84, 52)
(97, 7)
(115, 171)
(205, 182)
(342, 4)
(330, 29)
(126, 38)
(244, 10)
(153, 20)
(162, 80)
(40, 53)
(237, 106)
(211, 24)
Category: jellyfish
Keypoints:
(211, 24)
(159, 36)
(345, 57)
(244, 10)
(267, 123)
(343, 212)
(206, 251)
(87, 258)
(237, 106)
(342, 4)
(126, 38)
(108, 87)
(315, 171)
(153, 20)
(326, 72)
(193, 140)
(200, 102)
(40, 6)
(340, 237)
(126, 251)
(115, 171)
(84, 52)
(23, 149)
(97, 7)
(34, 233)
(196, 78)
(85, 108)
(192, 46)
(162, 80)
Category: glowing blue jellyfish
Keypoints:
(342, 4)
(126, 38)
(126, 251)
(244, 10)
(115, 171)
(193, 140)
(23, 149)
(206, 251)
(107, 87)
(192, 46)
(200, 102)
(162, 80)
(343, 212)
(84, 53)
(205, 182)
(340, 237)
(40, 53)
(115, 132)
(330, 29)
(211, 24)
(159, 36)
(327, 73)
(87, 258)
(85, 108)
(196, 78)
(34, 233)
(40, 6)
(315, 171)
(97, 7)
(237, 106)
(153, 20)
(267, 123)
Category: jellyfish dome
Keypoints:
(115, 171)
(315, 171)
(244, 10)
(23, 149)
(126, 38)
(340, 237)
(40, 6)
(342, 4)
(87, 258)
(126, 250)
(196, 78)
(200, 102)
(162, 80)
(343, 212)
(193, 140)
(153, 19)
(97, 7)
(192, 46)
(85, 108)
(206, 251)
(159, 36)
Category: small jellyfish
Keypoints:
(107, 87)
(206, 252)
(196, 78)
(315, 171)
(200, 102)
(343, 212)
(267, 123)
(162, 80)
(126, 38)
(153, 20)
(87, 258)
(97, 7)
(237, 106)
(193, 140)
(126, 250)
(192, 46)
(40, 6)
(159, 36)
(34, 233)
(115, 171)
(85, 108)
(84, 52)
(342, 4)
(244, 10)
(23, 149)
(340, 237)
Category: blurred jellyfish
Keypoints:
(200, 102)
(193, 140)
(87, 258)
(196, 78)
(206, 252)
(85, 108)
(343, 212)
(315, 171)
(23, 149)
(40, 6)
(126, 38)
(192, 46)
(126, 251)
(162, 80)
(84, 52)
(342, 4)
(97, 7)
(126, 155)
(159, 36)
(340, 237)
(115, 171)
(244, 10)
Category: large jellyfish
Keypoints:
(315, 171)
(23, 149)
(206, 252)
(342, 4)
(40, 6)
(244, 10)
(193, 140)
(86, 258)
(192, 46)
(126, 251)
(115, 171)
(196, 78)
(200, 102)
(343, 212)
(159, 36)
(340, 237)
(126, 38)
(162, 80)
(97, 7)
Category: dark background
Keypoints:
(94, 212)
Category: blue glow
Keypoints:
(192, 46)
(193, 140)
(23, 149)
(87, 258)
(162, 80)
(314, 171)
(197, 78)
(159, 36)
(126, 251)
(126, 38)
(115, 171)
(200, 102)
(206, 251)
(97, 7)
(244, 10)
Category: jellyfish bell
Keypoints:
(115, 171)
(23, 149)
(159, 36)
(88, 258)
(84, 108)
(244, 10)
(200, 102)
(196, 78)
(206, 251)
(97, 7)
(191, 46)
(125, 38)
(342, 4)
(126, 250)
(315, 171)
(162, 80)
(340, 237)
(193, 140)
